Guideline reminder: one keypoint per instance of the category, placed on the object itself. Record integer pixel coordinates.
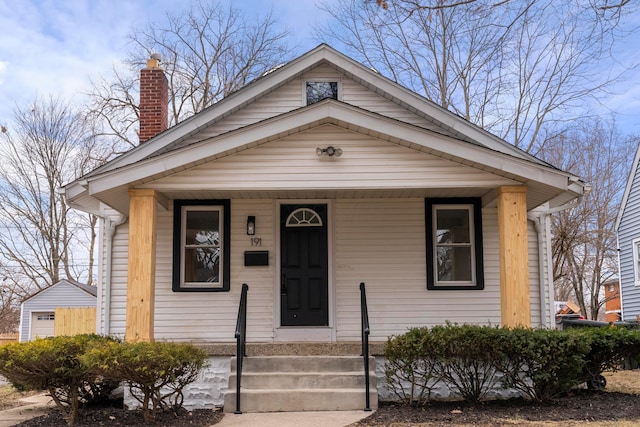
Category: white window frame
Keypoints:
(320, 80)
(184, 246)
(474, 211)
(470, 244)
(181, 210)
(635, 246)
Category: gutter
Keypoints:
(111, 227)
(541, 225)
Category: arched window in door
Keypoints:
(304, 217)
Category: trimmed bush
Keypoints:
(466, 358)
(53, 364)
(155, 372)
(542, 363)
(609, 348)
(409, 370)
(539, 363)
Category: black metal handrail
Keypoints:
(364, 318)
(241, 339)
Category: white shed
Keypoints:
(37, 313)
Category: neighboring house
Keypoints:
(612, 304)
(628, 229)
(311, 179)
(37, 313)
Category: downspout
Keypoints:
(540, 224)
(111, 231)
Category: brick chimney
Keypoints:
(154, 99)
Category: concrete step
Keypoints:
(303, 364)
(301, 383)
(288, 380)
(300, 400)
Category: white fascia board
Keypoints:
(327, 111)
(422, 104)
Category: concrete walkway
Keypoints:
(39, 404)
(293, 419)
(34, 406)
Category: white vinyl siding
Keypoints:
(291, 163)
(292, 96)
(211, 317)
(120, 264)
(377, 241)
(382, 243)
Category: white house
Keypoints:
(628, 229)
(318, 176)
(37, 312)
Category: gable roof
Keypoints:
(91, 290)
(450, 123)
(627, 189)
(179, 148)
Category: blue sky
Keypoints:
(57, 46)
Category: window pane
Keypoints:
(202, 265)
(203, 228)
(454, 263)
(452, 226)
(317, 91)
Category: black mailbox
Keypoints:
(256, 258)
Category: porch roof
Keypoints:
(456, 139)
(545, 183)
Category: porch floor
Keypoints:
(295, 348)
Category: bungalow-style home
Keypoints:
(628, 229)
(38, 312)
(315, 177)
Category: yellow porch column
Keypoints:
(514, 256)
(142, 265)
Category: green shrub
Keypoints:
(156, 372)
(609, 347)
(410, 370)
(542, 363)
(53, 364)
(466, 358)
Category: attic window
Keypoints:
(317, 91)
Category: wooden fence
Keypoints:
(75, 320)
(6, 339)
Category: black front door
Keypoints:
(304, 268)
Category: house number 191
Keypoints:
(256, 241)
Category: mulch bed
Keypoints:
(116, 416)
(580, 405)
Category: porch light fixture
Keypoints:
(251, 225)
(329, 151)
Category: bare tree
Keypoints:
(515, 68)
(208, 52)
(584, 242)
(40, 240)
(9, 308)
